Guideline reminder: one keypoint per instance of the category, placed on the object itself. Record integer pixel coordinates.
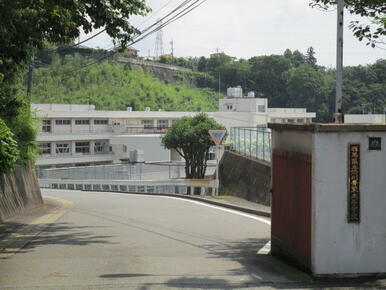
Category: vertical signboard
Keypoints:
(354, 170)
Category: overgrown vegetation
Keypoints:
(8, 149)
(114, 87)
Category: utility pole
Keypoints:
(339, 63)
(219, 84)
(29, 80)
(172, 46)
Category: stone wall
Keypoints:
(19, 191)
(245, 177)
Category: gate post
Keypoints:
(328, 197)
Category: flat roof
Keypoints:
(113, 114)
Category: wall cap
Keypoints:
(328, 127)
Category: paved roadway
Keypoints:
(118, 241)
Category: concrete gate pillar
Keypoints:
(329, 197)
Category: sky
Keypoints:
(247, 28)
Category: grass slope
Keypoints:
(114, 87)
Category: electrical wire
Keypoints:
(87, 39)
(140, 37)
(168, 22)
(155, 13)
(103, 30)
(166, 16)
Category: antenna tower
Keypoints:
(159, 42)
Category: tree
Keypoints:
(298, 58)
(26, 26)
(268, 77)
(8, 149)
(310, 57)
(305, 88)
(189, 136)
(374, 9)
(217, 61)
(202, 62)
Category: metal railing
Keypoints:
(120, 129)
(145, 130)
(174, 186)
(159, 177)
(252, 142)
(129, 171)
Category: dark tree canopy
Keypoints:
(374, 9)
(26, 25)
(189, 136)
(294, 79)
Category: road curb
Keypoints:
(196, 198)
(14, 242)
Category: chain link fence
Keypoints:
(252, 142)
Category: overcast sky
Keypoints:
(246, 28)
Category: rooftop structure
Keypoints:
(365, 118)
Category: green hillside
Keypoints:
(113, 87)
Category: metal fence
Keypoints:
(160, 177)
(252, 141)
(136, 171)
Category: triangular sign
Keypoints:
(217, 136)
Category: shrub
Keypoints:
(8, 149)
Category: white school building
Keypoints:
(80, 135)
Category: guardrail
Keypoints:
(128, 171)
(176, 186)
(152, 64)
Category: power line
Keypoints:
(170, 21)
(166, 16)
(155, 13)
(103, 30)
(174, 18)
(87, 39)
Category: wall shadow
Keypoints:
(13, 235)
(262, 271)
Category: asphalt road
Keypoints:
(119, 241)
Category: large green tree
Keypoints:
(308, 88)
(189, 136)
(374, 9)
(268, 76)
(26, 26)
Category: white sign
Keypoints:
(217, 136)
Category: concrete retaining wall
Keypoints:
(19, 191)
(245, 177)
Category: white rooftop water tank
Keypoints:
(251, 95)
(235, 92)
